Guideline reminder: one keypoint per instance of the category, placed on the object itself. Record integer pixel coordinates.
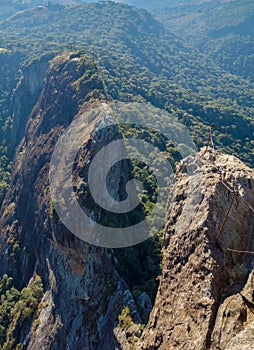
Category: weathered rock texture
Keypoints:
(198, 305)
(26, 94)
(84, 293)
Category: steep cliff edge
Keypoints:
(74, 297)
(83, 294)
(198, 305)
(26, 94)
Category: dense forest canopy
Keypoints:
(139, 59)
(223, 30)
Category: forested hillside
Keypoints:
(138, 59)
(58, 58)
(222, 30)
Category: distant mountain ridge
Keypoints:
(8, 7)
(139, 59)
(222, 30)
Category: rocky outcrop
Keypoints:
(198, 305)
(205, 297)
(83, 292)
(26, 94)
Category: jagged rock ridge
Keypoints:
(198, 305)
(83, 292)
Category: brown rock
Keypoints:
(198, 305)
(83, 292)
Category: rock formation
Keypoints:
(83, 292)
(205, 297)
(198, 305)
(26, 94)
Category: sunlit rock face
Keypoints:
(198, 305)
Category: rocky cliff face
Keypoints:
(26, 94)
(199, 305)
(83, 292)
(205, 298)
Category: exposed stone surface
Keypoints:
(84, 293)
(244, 340)
(205, 298)
(26, 94)
(198, 305)
(145, 303)
(232, 317)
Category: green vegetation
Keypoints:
(140, 266)
(9, 74)
(125, 318)
(222, 30)
(4, 174)
(17, 310)
(129, 56)
(13, 244)
(132, 330)
(138, 60)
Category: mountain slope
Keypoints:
(79, 291)
(61, 292)
(71, 293)
(222, 30)
(140, 60)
